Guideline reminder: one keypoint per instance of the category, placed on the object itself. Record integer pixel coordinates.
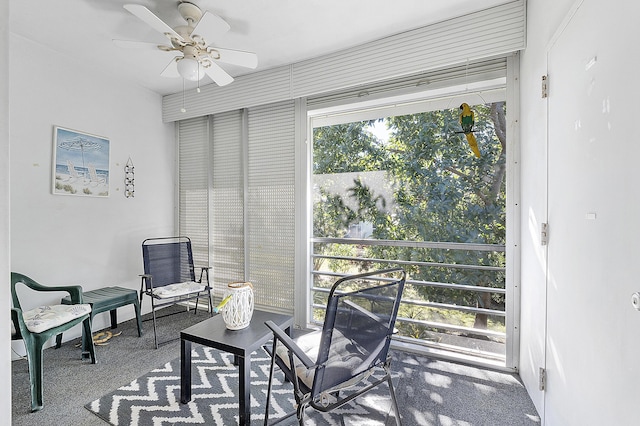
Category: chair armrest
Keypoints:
(288, 342)
(18, 323)
(146, 278)
(75, 291)
(204, 270)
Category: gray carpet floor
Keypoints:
(430, 392)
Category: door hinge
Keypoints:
(544, 234)
(545, 86)
(542, 383)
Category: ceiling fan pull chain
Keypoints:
(199, 66)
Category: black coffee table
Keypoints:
(241, 343)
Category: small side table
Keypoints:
(108, 299)
(213, 333)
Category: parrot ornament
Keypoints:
(467, 122)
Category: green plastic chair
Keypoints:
(36, 326)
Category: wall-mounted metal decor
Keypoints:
(128, 179)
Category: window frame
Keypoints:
(340, 109)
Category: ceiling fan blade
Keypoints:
(128, 44)
(218, 75)
(152, 20)
(210, 27)
(171, 70)
(235, 57)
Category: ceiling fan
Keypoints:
(193, 41)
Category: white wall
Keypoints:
(5, 295)
(91, 241)
(578, 322)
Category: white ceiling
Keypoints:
(279, 31)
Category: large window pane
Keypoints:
(409, 190)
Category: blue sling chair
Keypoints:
(36, 326)
(169, 276)
(325, 365)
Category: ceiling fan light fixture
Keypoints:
(190, 69)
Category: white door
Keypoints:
(593, 332)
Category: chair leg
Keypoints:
(87, 340)
(271, 368)
(155, 332)
(34, 358)
(300, 414)
(195, 311)
(210, 304)
(58, 341)
(394, 402)
(136, 306)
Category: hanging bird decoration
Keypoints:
(467, 122)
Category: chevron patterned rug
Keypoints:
(154, 399)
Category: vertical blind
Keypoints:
(227, 205)
(193, 192)
(245, 185)
(271, 209)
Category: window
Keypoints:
(397, 184)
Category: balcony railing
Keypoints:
(442, 315)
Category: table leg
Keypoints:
(244, 394)
(114, 318)
(185, 371)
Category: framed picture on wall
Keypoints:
(80, 163)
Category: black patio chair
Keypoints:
(333, 366)
(169, 276)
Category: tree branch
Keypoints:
(479, 193)
(498, 116)
(499, 119)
